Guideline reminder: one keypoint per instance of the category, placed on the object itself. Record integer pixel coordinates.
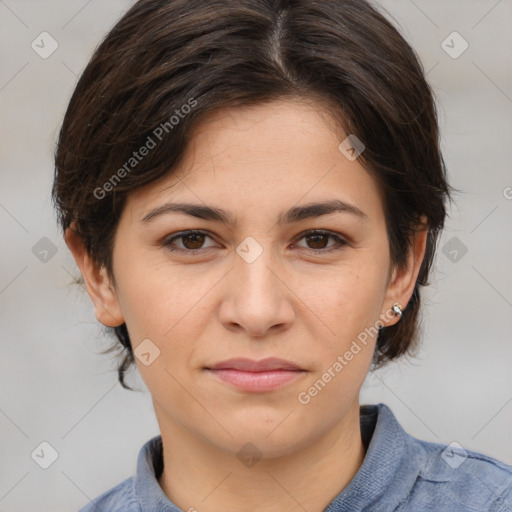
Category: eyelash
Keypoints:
(315, 232)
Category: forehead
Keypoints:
(264, 156)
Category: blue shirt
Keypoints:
(399, 474)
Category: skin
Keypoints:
(205, 307)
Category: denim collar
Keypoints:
(391, 466)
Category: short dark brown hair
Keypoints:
(165, 54)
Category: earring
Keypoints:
(397, 310)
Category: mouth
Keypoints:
(256, 376)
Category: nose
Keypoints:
(256, 297)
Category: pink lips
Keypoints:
(256, 376)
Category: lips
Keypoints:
(256, 376)
(249, 365)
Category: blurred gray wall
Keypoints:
(56, 388)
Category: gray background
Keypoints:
(56, 387)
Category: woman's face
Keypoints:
(256, 282)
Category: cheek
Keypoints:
(171, 389)
(349, 299)
(349, 305)
(159, 301)
(329, 394)
(171, 308)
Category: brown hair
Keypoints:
(163, 55)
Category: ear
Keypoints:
(97, 281)
(402, 281)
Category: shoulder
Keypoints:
(460, 479)
(120, 498)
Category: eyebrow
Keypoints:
(294, 214)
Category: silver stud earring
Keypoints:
(397, 310)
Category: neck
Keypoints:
(200, 476)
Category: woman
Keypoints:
(253, 192)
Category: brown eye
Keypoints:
(317, 241)
(191, 241)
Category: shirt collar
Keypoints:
(390, 468)
(391, 465)
(150, 496)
